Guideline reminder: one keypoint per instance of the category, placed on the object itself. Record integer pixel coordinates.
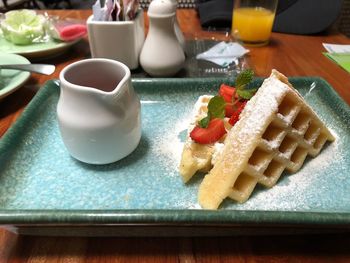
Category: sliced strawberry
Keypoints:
(235, 116)
(229, 110)
(226, 92)
(211, 134)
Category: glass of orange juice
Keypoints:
(252, 21)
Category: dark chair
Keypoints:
(57, 4)
(306, 16)
(343, 23)
(293, 16)
(6, 5)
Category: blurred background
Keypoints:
(342, 24)
(72, 4)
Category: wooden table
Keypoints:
(293, 55)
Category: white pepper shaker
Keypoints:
(162, 54)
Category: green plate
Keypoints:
(10, 79)
(37, 50)
(43, 190)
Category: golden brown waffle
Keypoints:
(198, 157)
(276, 131)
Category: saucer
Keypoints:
(11, 80)
(36, 50)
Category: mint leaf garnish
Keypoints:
(203, 123)
(217, 104)
(216, 107)
(244, 78)
(246, 94)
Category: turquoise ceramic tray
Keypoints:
(42, 186)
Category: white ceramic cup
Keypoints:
(118, 40)
(98, 111)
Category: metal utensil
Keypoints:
(37, 68)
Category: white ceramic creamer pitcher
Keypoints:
(98, 111)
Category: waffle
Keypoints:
(276, 131)
(198, 157)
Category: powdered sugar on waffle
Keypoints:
(256, 111)
(199, 111)
(291, 193)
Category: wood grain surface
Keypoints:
(293, 55)
(313, 248)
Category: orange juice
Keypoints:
(253, 24)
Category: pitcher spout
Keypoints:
(106, 76)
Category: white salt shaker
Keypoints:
(162, 54)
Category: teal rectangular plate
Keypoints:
(41, 185)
